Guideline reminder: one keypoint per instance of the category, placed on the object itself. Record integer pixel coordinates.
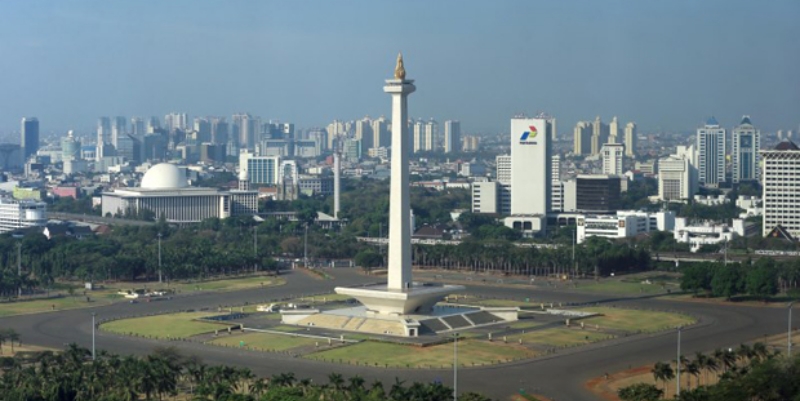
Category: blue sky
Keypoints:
(665, 64)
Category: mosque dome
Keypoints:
(164, 176)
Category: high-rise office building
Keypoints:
(630, 139)
(613, 131)
(260, 169)
(70, 147)
(202, 128)
(503, 168)
(432, 135)
(153, 124)
(452, 136)
(677, 175)
(781, 188)
(138, 127)
(582, 137)
(119, 127)
(247, 129)
(531, 178)
(176, 121)
(612, 158)
(746, 144)
(364, 134)
(557, 190)
(711, 153)
(418, 135)
(29, 137)
(220, 130)
(600, 132)
(103, 137)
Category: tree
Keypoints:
(12, 336)
(696, 277)
(762, 279)
(663, 372)
(368, 259)
(727, 281)
(640, 392)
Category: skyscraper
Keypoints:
(630, 139)
(452, 136)
(380, 133)
(711, 153)
(613, 131)
(781, 190)
(29, 137)
(246, 128)
(418, 134)
(582, 135)
(103, 136)
(677, 175)
(599, 135)
(612, 158)
(364, 134)
(531, 177)
(138, 127)
(745, 146)
(118, 129)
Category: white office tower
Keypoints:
(613, 131)
(781, 189)
(711, 154)
(746, 144)
(612, 158)
(599, 135)
(530, 166)
(557, 194)
(677, 175)
(103, 136)
(452, 136)
(246, 129)
(16, 214)
(260, 169)
(630, 139)
(337, 132)
(582, 138)
(381, 137)
(364, 134)
(176, 121)
(432, 135)
(418, 137)
(503, 168)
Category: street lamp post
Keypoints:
(19, 269)
(93, 336)
(305, 248)
(455, 366)
(678, 390)
(789, 340)
(255, 247)
(159, 257)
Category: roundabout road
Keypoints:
(560, 377)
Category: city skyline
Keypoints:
(67, 65)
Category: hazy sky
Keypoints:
(665, 64)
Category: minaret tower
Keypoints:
(399, 270)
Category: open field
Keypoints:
(98, 298)
(526, 324)
(267, 341)
(8, 350)
(176, 325)
(226, 284)
(470, 352)
(559, 337)
(634, 321)
(618, 286)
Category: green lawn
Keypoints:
(177, 325)
(268, 341)
(469, 352)
(67, 302)
(288, 329)
(558, 337)
(526, 324)
(231, 284)
(617, 286)
(636, 320)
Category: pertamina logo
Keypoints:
(528, 136)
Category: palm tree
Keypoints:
(744, 353)
(12, 336)
(693, 369)
(760, 351)
(336, 381)
(663, 372)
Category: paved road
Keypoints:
(560, 377)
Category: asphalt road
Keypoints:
(560, 377)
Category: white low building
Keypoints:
(625, 224)
(17, 214)
(752, 206)
(707, 233)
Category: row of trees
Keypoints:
(746, 373)
(761, 279)
(166, 374)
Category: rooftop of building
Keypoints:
(786, 145)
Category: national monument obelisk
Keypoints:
(400, 296)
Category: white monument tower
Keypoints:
(401, 296)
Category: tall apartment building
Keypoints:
(452, 136)
(503, 168)
(470, 143)
(557, 192)
(711, 153)
(612, 158)
(630, 139)
(119, 128)
(613, 131)
(337, 131)
(176, 121)
(781, 188)
(381, 137)
(364, 134)
(103, 137)
(600, 132)
(582, 138)
(29, 137)
(677, 175)
(247, 130)
(745, 145)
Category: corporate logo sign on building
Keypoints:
(528, 136)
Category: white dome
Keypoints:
(164, 176)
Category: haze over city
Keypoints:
(666, 65)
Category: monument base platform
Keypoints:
(417, 300)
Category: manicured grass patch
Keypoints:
(636, 320)
(526, 324)
(559, 337)
(267, 341)
(288, 329)
(469, 352)
(177, 325)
